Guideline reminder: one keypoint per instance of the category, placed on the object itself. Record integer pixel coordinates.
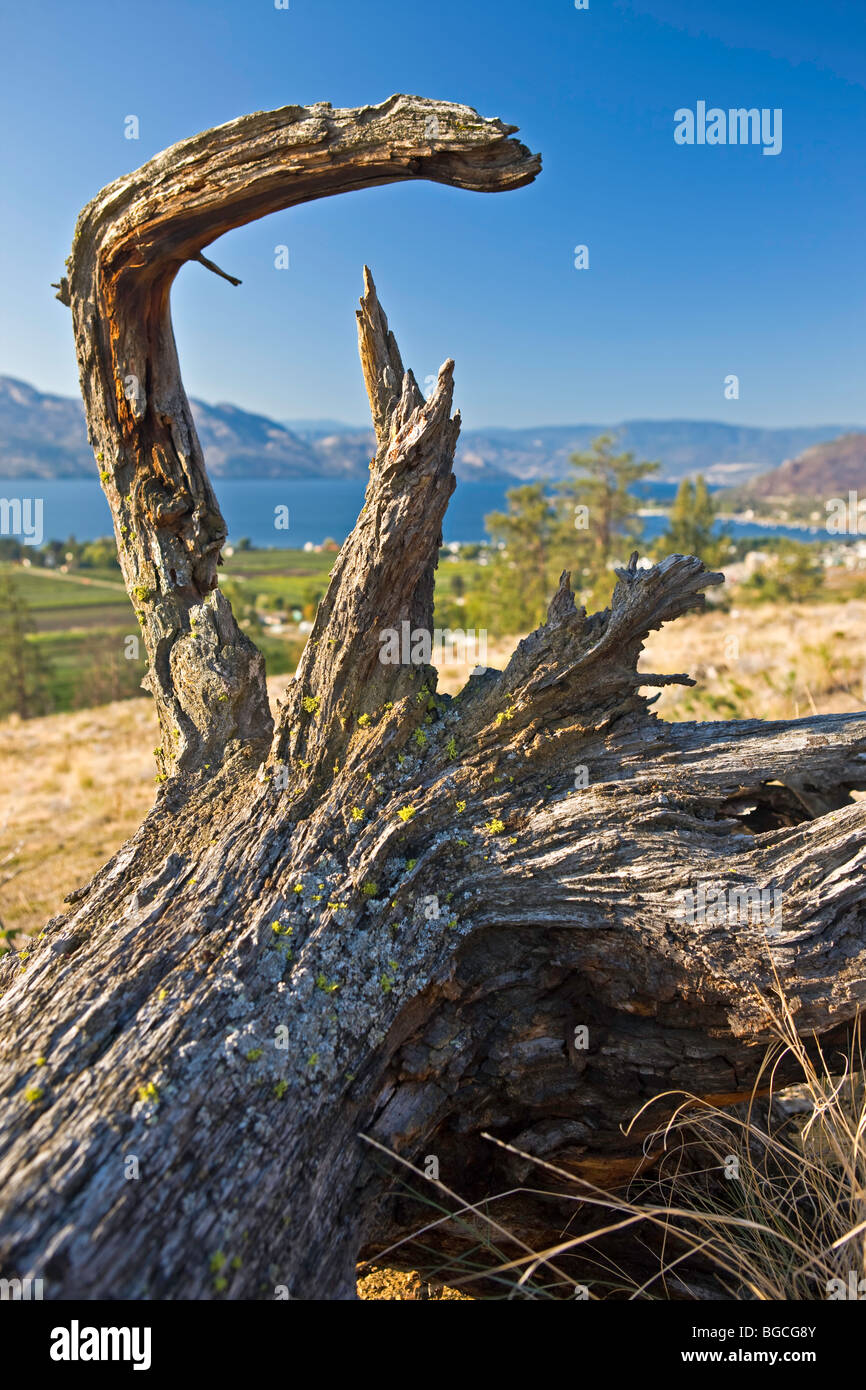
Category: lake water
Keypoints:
(316, 508)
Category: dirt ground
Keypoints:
(389, 1284)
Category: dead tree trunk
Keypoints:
(389, 918)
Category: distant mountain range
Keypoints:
(43, 436)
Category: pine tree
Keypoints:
(598, 514)
(691, 525)
(523, 575)
(24, 675)
(605, 491)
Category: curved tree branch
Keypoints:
(130, 242)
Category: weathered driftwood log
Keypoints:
(394, 917)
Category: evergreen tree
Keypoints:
(691, 525)
(597, 510)
(604, 490)
(690, 522)
(24, 676)
(522, 576)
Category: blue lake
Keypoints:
(317, 509)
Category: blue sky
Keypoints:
(704, 261)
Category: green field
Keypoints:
(82, 621)
(290, 563)
(42, 590)
(276, 580)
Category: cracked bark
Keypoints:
(387, 918)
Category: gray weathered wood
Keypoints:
(390, 918)
(130, 242)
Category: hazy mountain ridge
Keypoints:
(831, 469)
(725, 454)
(43, 436)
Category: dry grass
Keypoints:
(790, 1223)
(768, 1197)
(759, 662)
(73, 788)
(763, 662)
